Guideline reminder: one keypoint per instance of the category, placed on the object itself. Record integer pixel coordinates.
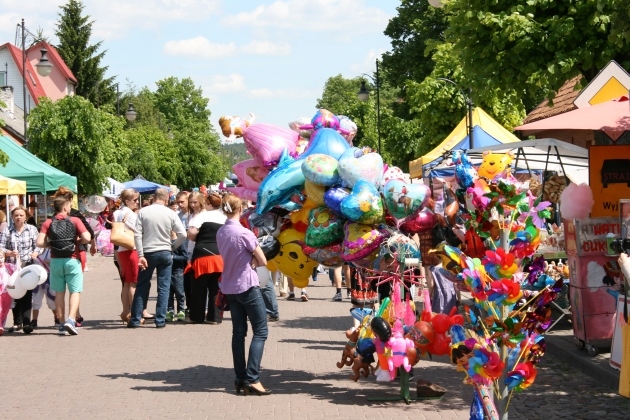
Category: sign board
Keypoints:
(590, 235)
(609, 178)
(616, 351)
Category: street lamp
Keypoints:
(364, 95)
(44, 67)
(131, 113)
(469, 106)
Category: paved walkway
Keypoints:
(185, 371)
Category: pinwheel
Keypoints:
(508, 332)
(521, 377)
(525, 242)
(499, 264)
(537, 210)
(538, 320)
(484, 366)
(504, 292)
(473, 278)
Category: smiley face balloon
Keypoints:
(292, 261)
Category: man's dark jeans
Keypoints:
(162, 261)
(177, 289)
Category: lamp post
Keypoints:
(364, 95)
(469, 106)
(44, 67)
(131, 113)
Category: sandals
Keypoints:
(304, 297)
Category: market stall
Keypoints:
(143, 186)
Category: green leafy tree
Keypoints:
(152, 154)
(185, 110)
(534, 46)
(74, 30)
(4, 158)
(73, 136)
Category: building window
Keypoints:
(3, 78)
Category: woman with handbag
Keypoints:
(242, 254)
(206, 262)
(126, 255)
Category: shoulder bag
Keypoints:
(121, 235)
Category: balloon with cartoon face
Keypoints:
(291, 260)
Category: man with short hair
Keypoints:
(155, 251)
(65, 269)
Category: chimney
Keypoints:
(6, 96)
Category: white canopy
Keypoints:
(114, 188)
(550, 154)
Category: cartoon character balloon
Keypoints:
(266, 142)
(291, 260)
(233, 127)
(282, 183)
(348, 128)
(404, 200)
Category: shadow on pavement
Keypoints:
(331, 387)
(316, 345)
(317, 323)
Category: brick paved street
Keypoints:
(185, 371)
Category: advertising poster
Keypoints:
(609, 178)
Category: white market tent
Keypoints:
(542, 154)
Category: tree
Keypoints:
(4, 159)
(152, 154)
(185, 110)
(73, 136)
(535, 46)
(74, 31)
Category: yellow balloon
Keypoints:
(300, 217)
(315, 193)
(291, 260)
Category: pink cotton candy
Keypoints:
(576, 201)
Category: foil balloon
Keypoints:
(368, 167)
(360, 240)
(322, 119)
(348, 128)
(321, 169)
(368, 261)
(324, 228)
(328, 142)
(392, 172)
(280, 185)
(291, 260)
(403, 199)
(315, 193)
(244, 193)
(333, 198)
(233, 127)
(329, 256)
(302, 121)
(351, 153)
(299, 218)
(266, 143)
(250, 173)
(363, 204)
(422, 222)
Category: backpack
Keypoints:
(62, 235)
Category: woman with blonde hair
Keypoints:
(127, 258)
(196, 207)
(242, 254)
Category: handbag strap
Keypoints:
(625, 306)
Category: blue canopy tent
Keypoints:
(143, 186)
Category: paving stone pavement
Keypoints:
(185, 371)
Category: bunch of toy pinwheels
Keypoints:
(506, 217)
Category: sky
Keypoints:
(270, 58)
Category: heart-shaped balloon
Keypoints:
(363, 205)
(392, 172)
(368, 167)
(266, 142)
(329, 256)
(403, 199)
(321, 169)
(324, 228)
(351, 153)
(361, 240)
(326, 141)
(422, 222)
(333, 198)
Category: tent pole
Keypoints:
(566, 178)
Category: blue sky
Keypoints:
(271, 58)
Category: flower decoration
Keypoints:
(484, 366)
(500, 264)
(321, 219)
(521, 377)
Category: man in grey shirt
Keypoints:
(155, 251)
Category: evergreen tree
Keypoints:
(74, 30)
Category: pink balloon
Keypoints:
(244, 193)
(250, 173)
(420, 223)
(266, 142)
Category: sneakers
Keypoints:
(349, 295)
(169, 316)
(337, 297)
(70, 326)
(57, 323)
(61, 330)
(181, 316)
(79, 321)
(291, 296)
(34, 323)
(27, 328)
(304, 297)
(272, 319)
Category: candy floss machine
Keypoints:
(595, 281)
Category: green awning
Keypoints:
(39, 176)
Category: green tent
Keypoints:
(39, 176)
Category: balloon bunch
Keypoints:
(503, 339)
(343, 202)
(20, 281)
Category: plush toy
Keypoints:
(347, 357)
(233, 127)
(398, 344)
(494, 164)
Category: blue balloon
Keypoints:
(351, 153)
(281, 184)
(333, 198)
(328, 142)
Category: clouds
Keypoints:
(347, 16)
(201, 48)
(230, 83)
